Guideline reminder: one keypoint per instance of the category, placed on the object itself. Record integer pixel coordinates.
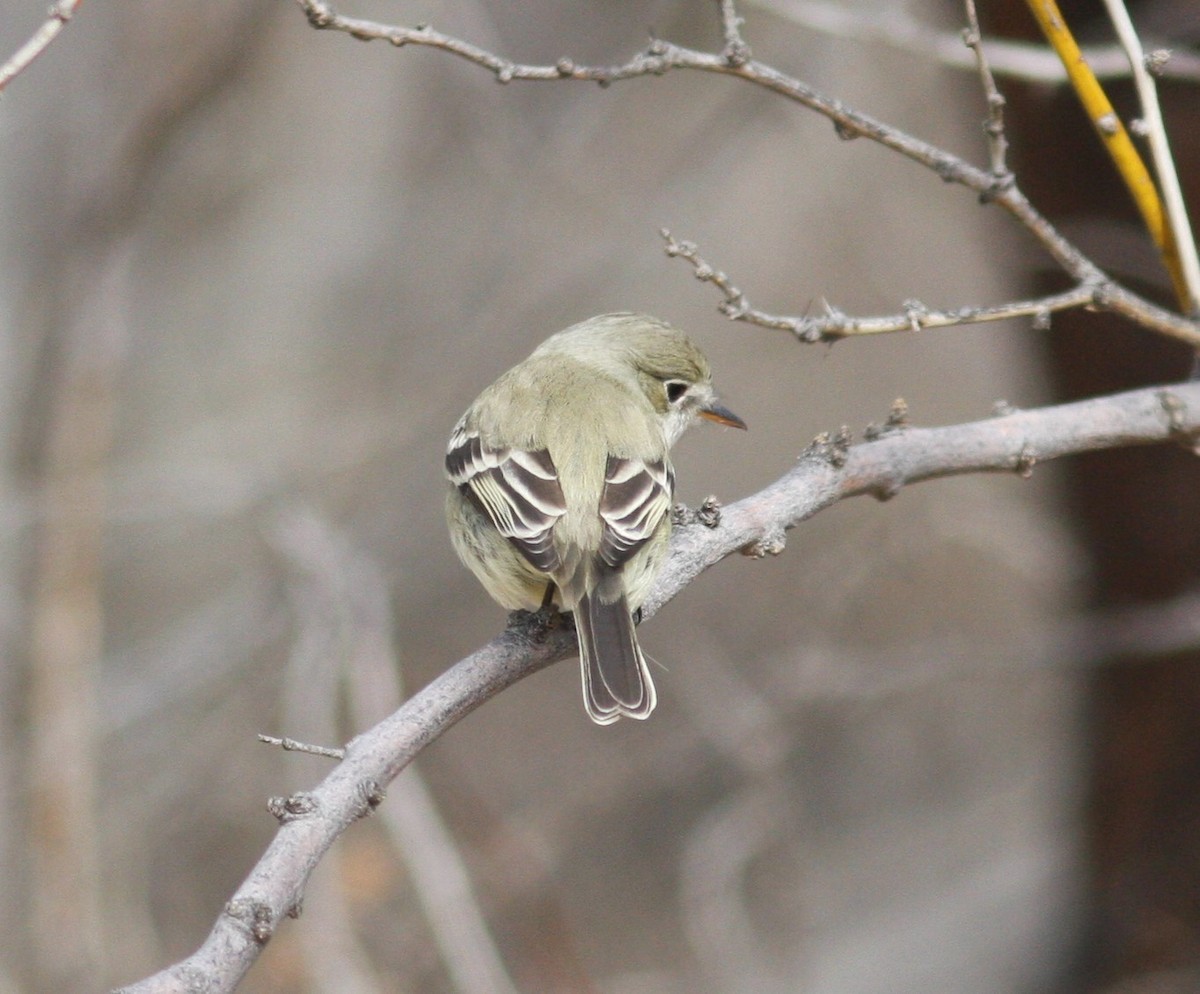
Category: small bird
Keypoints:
(561, 486)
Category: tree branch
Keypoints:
(891, 25)
(832, 324)
(1151, 125)
(829, 471)
(661, 57)
(994, 127)
(60, 13)
(1115, 138)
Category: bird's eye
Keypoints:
(676, 390)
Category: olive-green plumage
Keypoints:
(561, 486)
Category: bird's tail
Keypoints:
(616, 680)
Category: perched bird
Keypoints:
(561, 486)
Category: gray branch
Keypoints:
(661, 57)
(59, 15)
(832, 324)
(831, 470)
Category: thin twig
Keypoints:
(344, 591)
(661, 57)
(332, 957)
(736, 51)
(1114, 136)
(292, 745)
(60, 13)
(755, 525)
(832, 324)
(994, 127)
(889, 24)
(1160, 151)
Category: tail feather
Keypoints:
(616, 680)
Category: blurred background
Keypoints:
(251, 274)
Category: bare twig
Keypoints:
(333, 958)
(348, 590)
(1151, 124)
(831, 324)
(61, 11)
(1114, 137)
(736, 51)
(661, 57)
(891, 25)
(756, 525)
(292, 745)
(994, 127)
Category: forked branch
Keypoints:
(734, 59)
(757, 525)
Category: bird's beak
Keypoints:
(722, 416)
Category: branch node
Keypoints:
(320, 14)
(254, 916)
(846, 131)
(773, 542)
(915, 312)
(897, 421)
(1041, 321)
(293, 807)
(873, 432)
(564, 67)
(1102, 295)
(656, 60)
(709, 512)
(830, 448)
(1025, 461)
(840, 450)
(1001, 183)
(372, 794)
(946, 167)
(1156, 61)
(809, 332)
(737, 308)
(1003, 409)
(505, 72)
(1176, 411)
(737, 54)
(818, 448)
(887, 489)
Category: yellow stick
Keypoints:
(1114, 136)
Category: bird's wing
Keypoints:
(636, 496)
(518, 490)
